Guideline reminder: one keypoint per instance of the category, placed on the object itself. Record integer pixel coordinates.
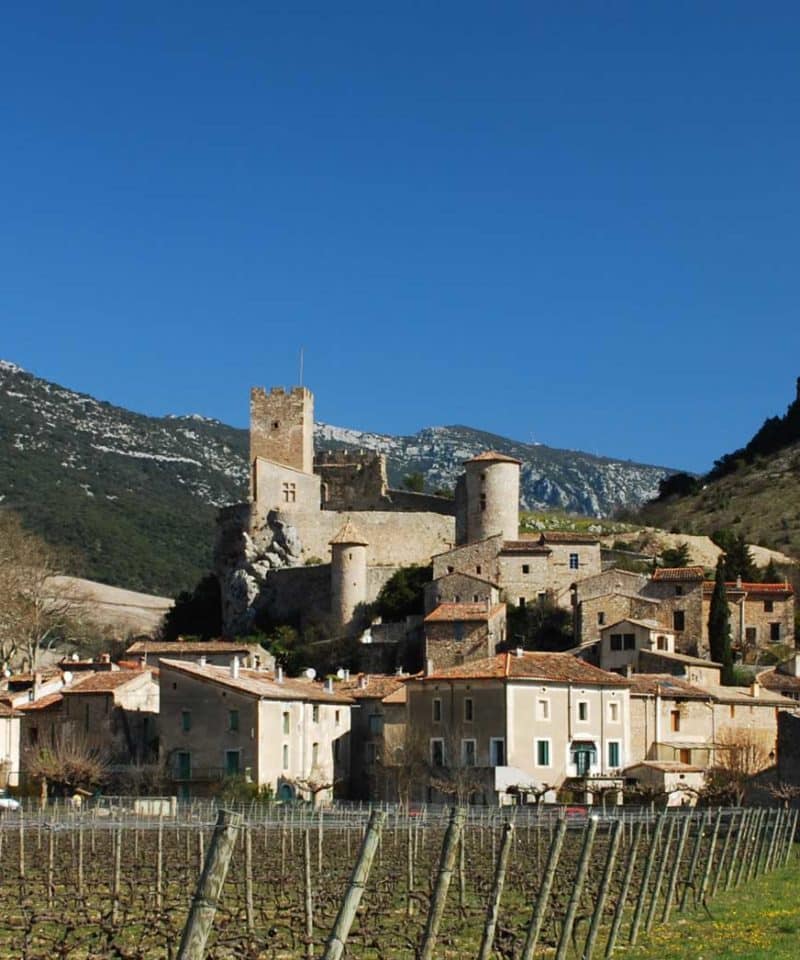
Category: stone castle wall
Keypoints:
(282, 427)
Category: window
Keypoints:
(469, 709)
(337, 717)
(613, 711)
(458, 631)
(314, 754)
(774, 633)
(542, 753)
(584, 755)
(437, 710)
(521, 602)
(478, 569)
(286, 722)
(768, 606)
(468, 753)
(186, 720)
(497, 752)
(231, 763)
(543, 709)
(336, 751)
(289, 492)
(616, 641)
(679, 619)
(750, 634)
(574, 561)
(315, 713)
(285, 756)
(526, 568)
(475, 598)
(601, 618)
(661, 643)
(437, 752)
(184, 765)
(684, 755)
(629, 641)
(275, 424)
(375, 724)
(33, 736)
(450, 569)
(679, 591)
(675, 720)
(483, 501)
(233, 720)
(372, 753)
(613, 753)
(583, 711)
(733, 710)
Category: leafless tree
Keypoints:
(784, 793)
(35, 609)
(69, 761)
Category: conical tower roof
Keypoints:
(350, 535)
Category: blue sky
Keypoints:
(575, 223)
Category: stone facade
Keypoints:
(282, 427)
(284, 735)
(760, 614)
(590, 616)
(460, 588)
(492, 497)
(456, 633)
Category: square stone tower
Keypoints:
(282, 427)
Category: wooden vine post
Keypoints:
(492, 913)
(446, 865)
(334, 949)
(209, 888)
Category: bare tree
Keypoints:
(35, 608)
(784, 793)
(406, 764)
(69, 762)
(740, 756)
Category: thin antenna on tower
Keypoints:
(302, 357)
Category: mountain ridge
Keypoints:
(137, 495)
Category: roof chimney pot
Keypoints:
(235, 668)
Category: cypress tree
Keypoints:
(719, 627)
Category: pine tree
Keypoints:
(719, 628)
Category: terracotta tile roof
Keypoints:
(679, 573)
(667, 766)
(469, 576)
(769, 589)
(370, 686)
(493, 456)
(621, 593)
(648, 684)
(43, 703)
(549, 667)
(199, 647)
(766, 697)
(681, 657)
(778, 682)
(258, 683)
(106, 682)
(567, 536)
(349, 534)
(447, 612)
(647, 624)
(525, 546)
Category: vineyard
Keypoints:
(475, 882)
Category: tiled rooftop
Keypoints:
(493, 456)
(198, 647)
(680, 574)
(549, 667)
(451, 612)
(106, 682)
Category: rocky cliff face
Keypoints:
(136, 497)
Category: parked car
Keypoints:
(8, 803)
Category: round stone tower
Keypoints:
(348, 574)
(492, 496)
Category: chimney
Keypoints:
(105, 658)
(428, 667)
(755, 689)
(37, 684)
(328, 685)
(739, 582)
(202, 660)
(256, 662)
(279, 675)
(235, 668)
(363, 680)
(398, 672)
(142, 662)
(518, 652)
(346, 673)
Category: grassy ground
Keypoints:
(759, 922)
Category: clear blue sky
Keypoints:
(570, 222)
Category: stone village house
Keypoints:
(291, 735)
